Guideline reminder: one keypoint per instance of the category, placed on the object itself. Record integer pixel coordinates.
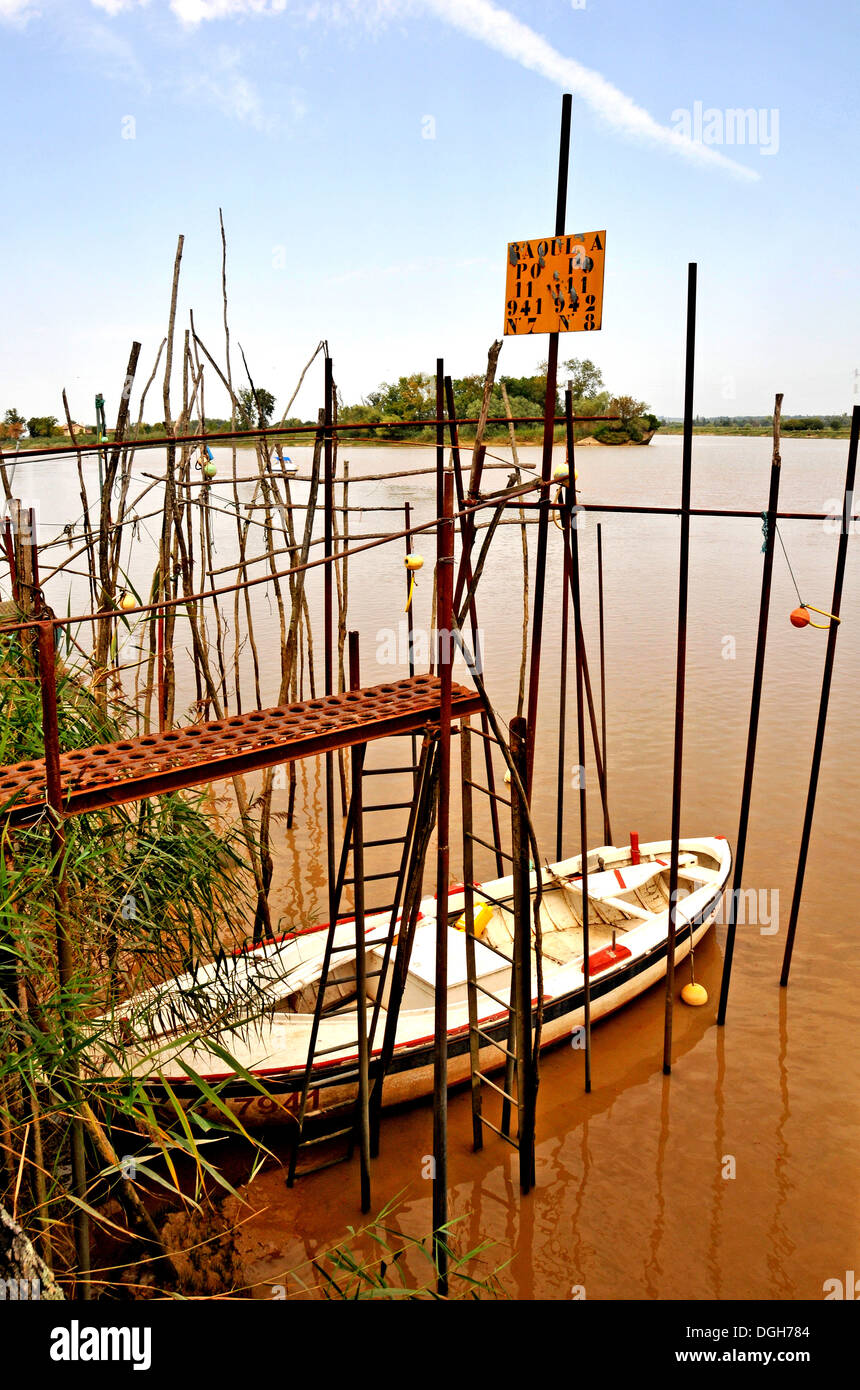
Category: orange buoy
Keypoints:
(800, 618)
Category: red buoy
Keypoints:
(800, 618)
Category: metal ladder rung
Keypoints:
(338, 1047)
(352, 979)
(369, 878)
(486, 790)
(390, 806)
(487, 1082)
(492, 1041)
(494, 849)
(490, 738)
(393, 840)
(513, 1142)
(488, 947)
(392, 771)
(325, 1138)
(490, 995)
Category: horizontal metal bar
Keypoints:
(490, 738)
(513, 1142)
(487, 946)
(486, 790)
(368, 878)
(494, 849)
(489, 993)
(494, 1043)
(392, 840)
(389, 806)
(390, 771)
(487, 1082)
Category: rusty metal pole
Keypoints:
(681, 664)
(358, 751)
(607, 830)
(520, 848)
(571, 559)
(755, 706)
(562, 714)
(328, 626)
(832, 634)
(445, 622)
(65, 964)
(546, 461)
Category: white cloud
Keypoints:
(196, 11)
(501, 30)
(115, 7)
(227, 87)
(17, 11)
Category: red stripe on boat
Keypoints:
(620, 879)
(602, 960)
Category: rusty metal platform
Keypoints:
(111, 773)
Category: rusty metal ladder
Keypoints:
(354, 845)
(518, 1091)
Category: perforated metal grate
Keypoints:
(110, 773)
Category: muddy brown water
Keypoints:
(737, 1176)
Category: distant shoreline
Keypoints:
(90, 443)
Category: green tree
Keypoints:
(586, 378)
(12, 417)
(627, 408)
(42, 426)
(255, 408)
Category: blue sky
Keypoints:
(308, 123)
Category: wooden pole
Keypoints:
(755, 706)
(681, 663)
(832, 634)
(65, 964)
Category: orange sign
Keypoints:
(555, 285)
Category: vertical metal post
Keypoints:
(358, 751)
(681, 664)
(444, 619)
(572, 563)
(522, 960)
(9, 547)
(469, 913)
(832, 634)
(755, 706)
(607, 831)
(65, 965)
(440, 432)
(562, 716)
(328, 625)
(410, 656)
(546, 462)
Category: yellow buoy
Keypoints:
(694, 995)
(561, 474)
(482, 912)
(414, 562)
(127, 602)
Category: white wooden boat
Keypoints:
(255, 1008)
